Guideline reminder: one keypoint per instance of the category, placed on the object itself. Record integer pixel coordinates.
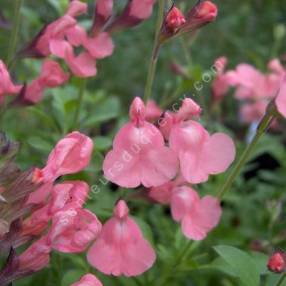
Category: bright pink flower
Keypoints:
(76, 8)
(205, 11)
(88, 280)
(277, 262)
(70, 155)
(70, 192)
(141, 9)
(281, 98)
(41, 194)
(54, 31)
(100, 46)
(36, 257)
(52, 74)
(73, 229)
(6, 85)
(197, 216)
(139, 155)
(174, 20)
(153, 111)
(199, 153)
(121, 248)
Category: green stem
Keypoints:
(79, 104)
(15, 31)
(264, 124)
(155, 53)
(281, 280)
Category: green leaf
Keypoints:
(241, 263)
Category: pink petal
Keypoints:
(76, 8)
(121, 249)
(88, 280)
(99, 47)
(60, 48)
(141, 9)
(76, 36)
(281, 99)
(82, 65)
(52, 74)
(218, 153)
(71, 155)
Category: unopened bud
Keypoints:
(277, 262)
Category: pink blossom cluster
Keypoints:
(167, 158)
(65, 39)
(253, 88)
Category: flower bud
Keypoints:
(277, 262)
(174, 20)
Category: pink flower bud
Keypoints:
(277, 262)
(174, 20)
(71, 155)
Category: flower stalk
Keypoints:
(155, 53)
(261, 130)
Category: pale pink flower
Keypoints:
(200, 153)
(88, 280)
(197, 216)
(36, 257)
(121, 248)
(73, 229)
(253, 111)
(6, 85)
(139, 155)
(71, 155)
(68, 192)
(76, 8)
(281, 98)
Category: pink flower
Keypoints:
(174, 20)
(73, 193)
(281, 98)
(36, 257)
(88, 280)
(139, 155)
(52, 74)
(141, 9)
(73, 229)
(76, 36)
(82, 65)
(253, 111)
(76, 8)
(70, 155)
(200, 154)
(121, 248)
(197, 216)
(6, 85)
(100, 46)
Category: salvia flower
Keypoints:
(197, 216)
(139, 155)
(88, 280)
(277, 262)
(121, 248)
(7, 87)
